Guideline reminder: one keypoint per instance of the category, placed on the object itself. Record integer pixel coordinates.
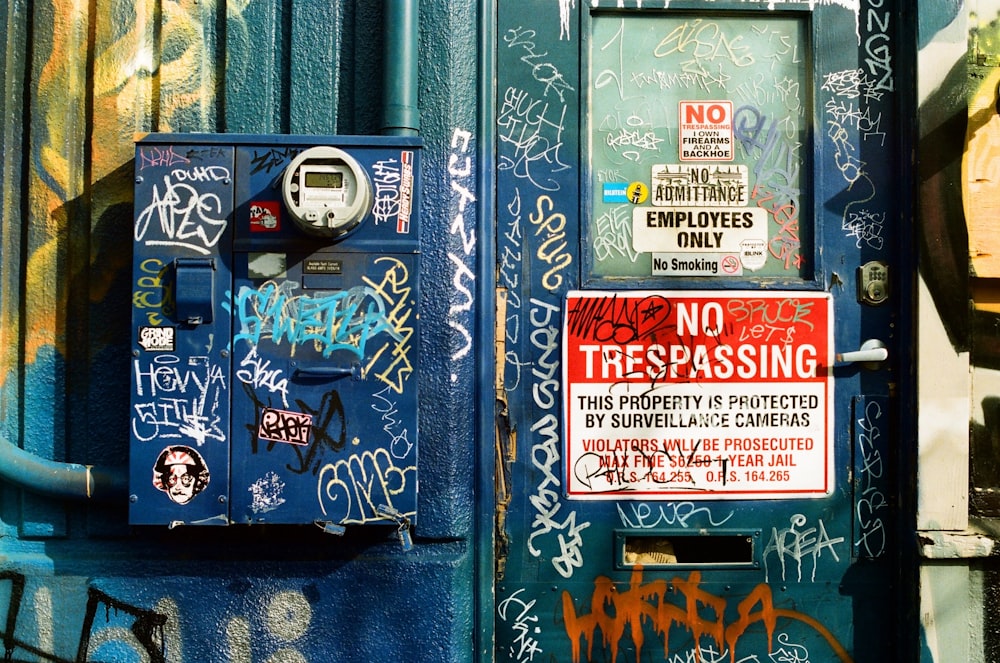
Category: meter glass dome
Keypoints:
(326, 191)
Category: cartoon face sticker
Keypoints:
(181, 473)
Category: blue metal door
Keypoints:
(325, 404)
(179, 451)
(698, 226)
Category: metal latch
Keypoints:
(194, 290)
(326, 372)
(330, 527)
(403, 529)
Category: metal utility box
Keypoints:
(274, 330)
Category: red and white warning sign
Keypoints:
(698, 395)
(705, 131)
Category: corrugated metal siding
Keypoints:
(80, 80)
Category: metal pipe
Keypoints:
(401, 116)
(59, 480)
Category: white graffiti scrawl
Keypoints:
(459, 313)
(178, 400)
(545, 456)
(180, 215)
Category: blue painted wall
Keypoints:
(80, 81)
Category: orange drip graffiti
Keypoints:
(613, 611)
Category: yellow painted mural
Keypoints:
(981, 158)
(112, 70)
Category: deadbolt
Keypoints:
(873, 283)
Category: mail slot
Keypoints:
(654, 549)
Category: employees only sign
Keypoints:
(698, 395)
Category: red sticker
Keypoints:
(265, 216)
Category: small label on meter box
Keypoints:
(322, 266)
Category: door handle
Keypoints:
(325, 371)
(871, 352)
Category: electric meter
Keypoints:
(326, 191)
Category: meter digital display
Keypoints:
(322, 184)
(326, 191)
(324, 180)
